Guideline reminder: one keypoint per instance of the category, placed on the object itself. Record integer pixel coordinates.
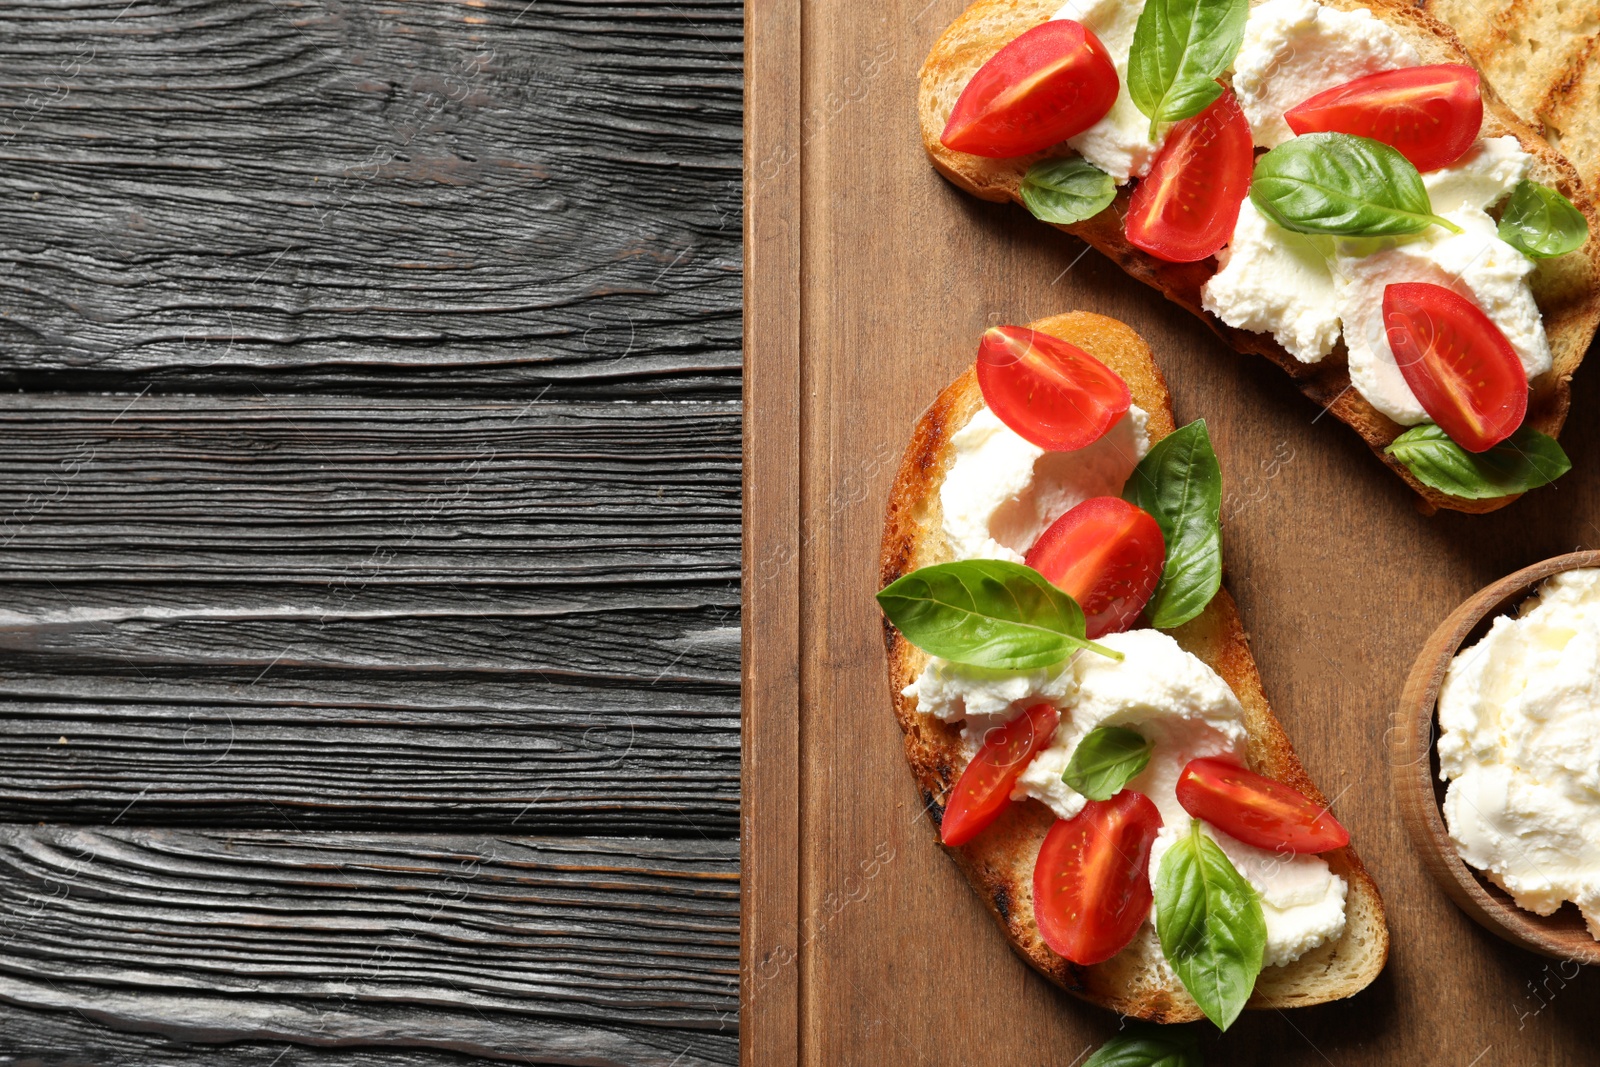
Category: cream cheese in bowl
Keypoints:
(1519, 745)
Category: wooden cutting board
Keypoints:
(869, 280)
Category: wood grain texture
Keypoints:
(1420, 793)
(283, 613)
(323, 194)
(773, 536)
(370, 438)
(1337, 577)
(72, 1039)
(335, 939)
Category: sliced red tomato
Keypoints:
(1256, 809)
(1464, 372)
(1185, 208)
(1091, 882)
(1107, 555)
(1052, 82)
(984, 788)
(1053, 394)
(1430, 114)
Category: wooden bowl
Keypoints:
(1421, 793)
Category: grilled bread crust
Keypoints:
(1543, 58)
(999, 863)
(1567, 289)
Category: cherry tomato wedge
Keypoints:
(1464, 372)
(1052, 82)
(1256, 809)
(1431, 115)
(1054, 395)
(984, 788)
(1107, 555)
(1091, 882)
(1185, 208)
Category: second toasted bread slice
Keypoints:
(999, 863)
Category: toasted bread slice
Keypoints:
(999, 863)
(1543, 58)
(1567, 289)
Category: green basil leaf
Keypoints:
(1337, 183)
(987, 613)
(1210, 924)
(1525, 460)
(1107, 759)
(1067, 190)
(1541, 223)
(1179, 482)
(1149, 1046)
(1180, 47)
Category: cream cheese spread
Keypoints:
(1002, 492)
(1276, 281)
(982, 699)
(1295, 49)
(1519, 743)
(1120, 143)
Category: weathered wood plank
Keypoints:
(206, 192)
(350, 493)
(292, 766)
(560, 950)
(407, 612)
(71, 1039)
(771, 990)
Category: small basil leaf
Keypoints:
(1067, 190)
(1337, 183)
(1107, 759)
(1149, 1046)
(1210, 924)
(1179, 482)
(1180, 47)
(1525, 460)
(987, 613)
(1541, 223)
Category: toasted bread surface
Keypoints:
(999, 863)
(1567, 289)
(1543, 58)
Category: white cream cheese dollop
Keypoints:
(1276, 281)
(1295, 49)
(1002, 492)
(1483, 176)
(982, 699)
(1519, 743)
(1120, 143)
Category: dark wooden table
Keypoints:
(369, 532)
